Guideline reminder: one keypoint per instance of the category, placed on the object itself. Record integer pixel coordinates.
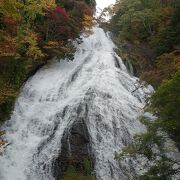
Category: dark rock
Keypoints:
(75, 149)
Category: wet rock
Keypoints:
(75, 149)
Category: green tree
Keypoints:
(166, 104)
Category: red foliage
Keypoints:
(9, 21)
(60, 10)
(11, 25)
(69, 35)
(88, 12)
(57, 13)
(57, 26)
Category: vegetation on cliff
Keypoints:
(31, 32)
(156, 24)
(147, 33)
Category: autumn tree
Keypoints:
(32, 31)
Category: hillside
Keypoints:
(32, 33)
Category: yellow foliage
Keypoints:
(48, 4)
(58, 48)
(15, 8)
(35, 7)
(33, 50)
(57, 45)
(87, 21)
(10, 8)
(52, 44)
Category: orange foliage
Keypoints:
(11, 25)
(7, 46)
(166, 65)
(87, 21)
(57, 47)
(53, 44)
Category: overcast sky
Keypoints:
(104, 3)
(101, 4)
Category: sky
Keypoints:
(101, 4)
(104, 3)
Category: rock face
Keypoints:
(75, 149)
(140, 55)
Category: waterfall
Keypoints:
(95, 90)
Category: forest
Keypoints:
(32, 33)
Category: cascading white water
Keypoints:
(47, 105)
